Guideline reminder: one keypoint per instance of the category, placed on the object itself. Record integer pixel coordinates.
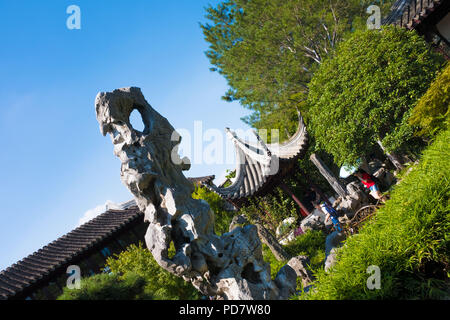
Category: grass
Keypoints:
(408, 239)
(109, 287)
(311, 244)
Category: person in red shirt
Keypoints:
(368, 182)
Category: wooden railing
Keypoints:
(414, 10)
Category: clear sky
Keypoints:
(55, 164)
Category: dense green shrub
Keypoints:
(134, 274)
(271, 209)
(222, 218)
(310, 244)
(408, 239)
(431, 113)
(109, 287)
(268, 49)
(366, 89)
(162, 284)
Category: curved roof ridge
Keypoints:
(258, 164)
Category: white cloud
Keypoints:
(92, 213)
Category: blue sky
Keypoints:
(55, 163)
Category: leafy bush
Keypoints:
(271, 209)
(408, 239)
(162, 284)
(310, 244)
(134, 275)
(431, 113)
(285, 228)
(268, 49)
(222, 217)
(109, 287)
(365, 90)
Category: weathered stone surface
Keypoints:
(351, 203)
(286, 281)
(269, 240)
(315, 221)
(300, 265)
(286, 223)
(230, 266)
(330, 260)
(236, 221)
(264, 235)
(385, 177)
(332, 242)
(288, 238)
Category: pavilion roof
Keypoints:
(202, 180)
(260, 165)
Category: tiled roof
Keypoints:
(47, 260)
(260, 166)
(202, 180)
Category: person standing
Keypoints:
(368, 182)
(329, 212)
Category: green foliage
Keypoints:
(271, 209)
(310, 244)
(365, 90)
(268, 50)
(306, 167)
(222, 217)
(230, 174)
(407, 236)
(285, 228)
(431, 113)
(162, 284)
(109, 287)
(275, 265)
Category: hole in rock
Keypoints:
(136, 120)
(249, 274)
